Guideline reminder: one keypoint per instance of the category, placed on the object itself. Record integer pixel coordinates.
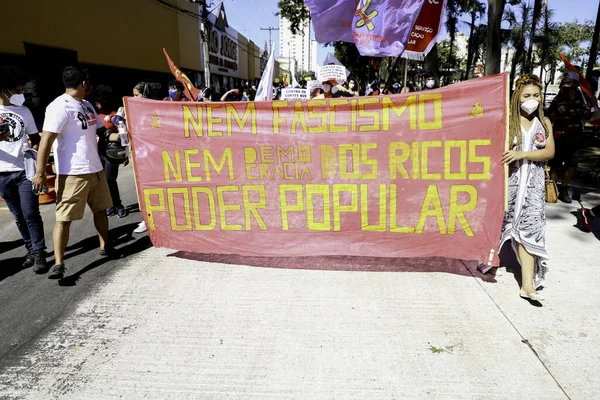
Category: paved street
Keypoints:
(30, 302)
(159, 324)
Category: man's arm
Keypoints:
(40, 180)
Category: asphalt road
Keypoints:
(31, 302)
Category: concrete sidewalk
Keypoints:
(164, 327)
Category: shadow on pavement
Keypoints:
(579, 224)
(119, 236)
(11, 267)
(133, 208)
(133, 248)
(508, 260)
(345, 263)
(8, 246)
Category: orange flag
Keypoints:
(190, 91)
(585, 86)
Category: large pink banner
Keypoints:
(409, 175)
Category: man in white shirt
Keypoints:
(71, 126)
(17, 124)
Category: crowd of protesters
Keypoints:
(81, 128)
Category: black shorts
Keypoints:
(566, 151)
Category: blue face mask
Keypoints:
(172, 93)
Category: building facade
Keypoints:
(300, 47)
(121, 43)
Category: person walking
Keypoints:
(429, 82)
(568, 112)
(176, 90)
(141, 90)
(106, 107)
(353, 87)
(530, 134)
(16, 125)
(71, 126)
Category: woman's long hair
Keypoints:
(145, 89)
(514, 124)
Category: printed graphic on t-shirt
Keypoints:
(16, 125)
(89, 119)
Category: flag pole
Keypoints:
(405, 70)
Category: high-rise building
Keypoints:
(299, 47)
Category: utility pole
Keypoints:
(205, 27)
(270, 29)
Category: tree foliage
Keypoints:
(520, 23)
(294, 11)
(572, 35)
(547, 47)
(359, 66)
(544, 38)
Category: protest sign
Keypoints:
(411, 175)
(312, 85)
(332, 72)
(295, 94)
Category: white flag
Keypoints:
(265, 87)
(293, 72)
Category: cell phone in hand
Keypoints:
(45, 190)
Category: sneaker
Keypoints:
(29, 260)
(121, 212)
(564, 196)
(110, 212)
(586, 219)
(141, 228)
(109, 252)
(58, 272)
(40, 266)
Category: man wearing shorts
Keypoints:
(71, 126)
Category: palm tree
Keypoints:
(475, 9)
(452, 13)
(518, 37)
(537, 10)
(548, 47)
(494, 38)
(480, 43)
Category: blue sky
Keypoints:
(248, 16)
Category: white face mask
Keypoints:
(326, 87)
(430, 84)
(16, 99)
(351, 86)
(530, 106)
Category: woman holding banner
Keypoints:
(142, 90)
(530, 134)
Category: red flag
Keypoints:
(424, 34)
(189, 90)
(585, 86)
